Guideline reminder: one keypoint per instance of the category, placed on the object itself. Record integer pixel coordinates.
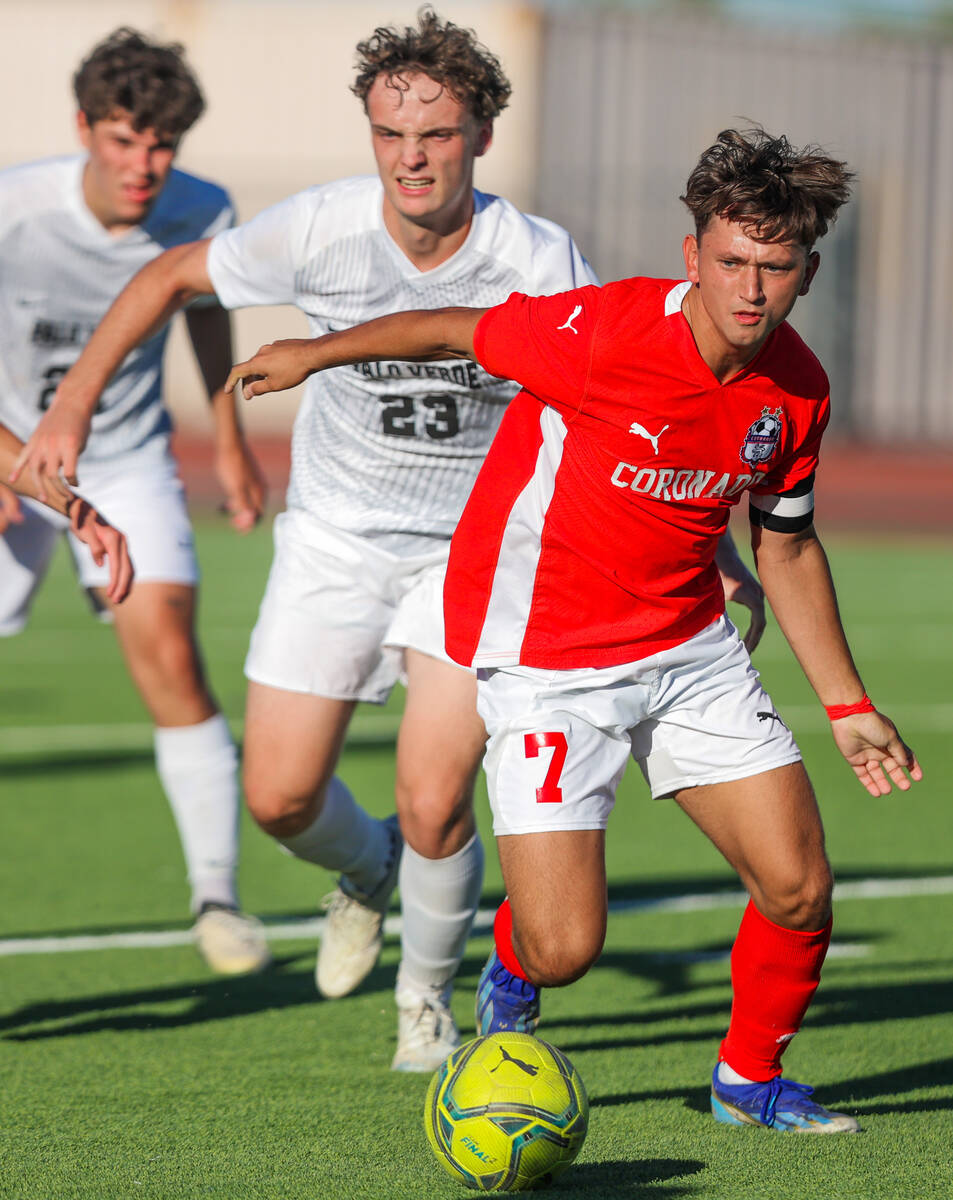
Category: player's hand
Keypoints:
(275, 367)
(53, 451)
(743, 588)
(10, 511)
(243, 484)
(873, 747)
(105, 543)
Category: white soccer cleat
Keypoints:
(354, 928)
(426, 1030)
(231, 942)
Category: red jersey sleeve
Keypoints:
(543, 343)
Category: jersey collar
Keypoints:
(681, 329)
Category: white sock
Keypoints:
(439, 899)
(728, 1074)
(344, 838)
(198, 768)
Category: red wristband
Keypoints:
(836, 711)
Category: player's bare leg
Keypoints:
(556, 885)
(769, 828)
(292, 744)
(549, 930)
(441, 876)
(197, 764)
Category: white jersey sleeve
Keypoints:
(257, 263)
(60, 270)
(388, 450)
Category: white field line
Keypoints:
(309, 928)
(372, 727)
(73, 739)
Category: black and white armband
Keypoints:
(787, 512)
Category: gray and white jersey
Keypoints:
(388, 450)
(60, 270)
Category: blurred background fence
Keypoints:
(629, 98)
(610, 109)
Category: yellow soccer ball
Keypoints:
(506, 1113)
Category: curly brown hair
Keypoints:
(776, 191)
(151, 82)
(444, 52)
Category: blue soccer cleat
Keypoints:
(780, 1104)
(504, 1002)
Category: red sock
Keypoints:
(503, 936)
(774, 974)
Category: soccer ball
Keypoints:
(506, 1113)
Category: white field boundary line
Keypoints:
(74, 739)
(375, 727)
(862, 889)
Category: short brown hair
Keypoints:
(776, 191)
(127, 73)
(444, 52)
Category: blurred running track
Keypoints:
(859, 488)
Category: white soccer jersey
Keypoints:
(59, 272)
(390, 448)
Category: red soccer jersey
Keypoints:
(590, 534)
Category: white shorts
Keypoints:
(559, 741)
(143, 497)
(338, 612)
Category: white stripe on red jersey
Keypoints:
(509, 604)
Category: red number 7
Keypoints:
(550, 792)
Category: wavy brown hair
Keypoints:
(776, 191)
(151, 82)
(444, 52)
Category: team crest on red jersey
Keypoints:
(762, 438)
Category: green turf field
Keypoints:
(132, 1072)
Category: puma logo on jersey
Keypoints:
(769, 716)
(569, 321)
(641, 431)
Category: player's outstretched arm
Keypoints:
(144, 305)
(104, 541)
(238, 472)
(797, 581)
(741, 587)
(418, 336)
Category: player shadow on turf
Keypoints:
(73, 762)
(850, 1004)
(217, 999)
(672, 973)
(646, 1178)
(305, 916)
(937, 1073)
(853, 1095)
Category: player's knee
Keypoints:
(434, 820)
(553, 959)
(279, 813)
(174, 664)
(803, 902)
